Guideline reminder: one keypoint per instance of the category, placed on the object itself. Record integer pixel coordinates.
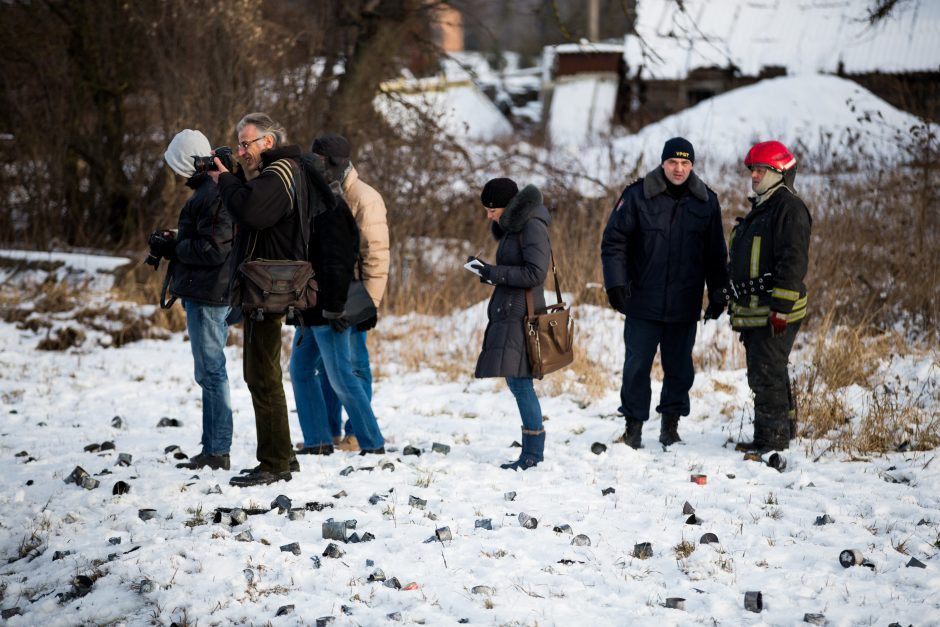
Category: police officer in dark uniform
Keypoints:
(769, 259)
(663, 241)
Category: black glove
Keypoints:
(337, 321)
(161, 246)
(368, 325)
(714, 311)
(486, 274)
(485, 270)
(618, 296)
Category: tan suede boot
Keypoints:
(349, 443)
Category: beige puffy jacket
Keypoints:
(368, 208)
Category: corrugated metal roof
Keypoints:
(805, 36)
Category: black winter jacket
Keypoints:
(769, 260)
(665, 249)
(267, 212)
(334, 248)
(523, 257)
(204, 244)
(265, 208)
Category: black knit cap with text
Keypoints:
(678, 148)
(498, 192)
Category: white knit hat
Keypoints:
(186, 145)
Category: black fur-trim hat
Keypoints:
(498, 192)
(678, 148)
(334, 147)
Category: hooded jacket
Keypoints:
(201, 270)
(664, 249)
(523, 257)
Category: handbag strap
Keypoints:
(529, 301)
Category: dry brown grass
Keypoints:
(66, 312)
(683, 549)
(138, 283)
(418, 343)
(894, 416)
(583, 379)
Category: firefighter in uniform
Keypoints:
(769, 256)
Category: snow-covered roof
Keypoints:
(805, 37)
(822, 119)
(588, 47)
(459, 107)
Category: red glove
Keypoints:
(778, 323)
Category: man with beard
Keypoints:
(268, 214)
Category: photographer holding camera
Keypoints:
(268, 212)
(199, 254)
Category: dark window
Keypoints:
(698, 95)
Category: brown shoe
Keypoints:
(349, 443)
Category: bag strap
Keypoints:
(301, 204)
(164, 303)
(529, 301)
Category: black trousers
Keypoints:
(262, 370)
(641, 339)
(768, 377)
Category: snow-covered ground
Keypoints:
(182, 567)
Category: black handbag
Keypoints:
(359, 305)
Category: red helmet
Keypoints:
(772, 154)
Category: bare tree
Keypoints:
(92, 92)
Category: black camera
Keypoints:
(156, 241)
(205, 164)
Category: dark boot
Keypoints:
(669, 429)
(202, 460)
(262, 477)
(633, 435)
(293, 467)
(770, 434)
(779, 434)
(533, 449)
(319, 449)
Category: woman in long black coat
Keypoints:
(520, 224)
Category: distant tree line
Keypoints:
(92, 91)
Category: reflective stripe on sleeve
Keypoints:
(782, 294)
(755, 257)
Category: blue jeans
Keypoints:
(208, 333)
(675, 341)
(527, 401)
(321, 348)
(359, 356)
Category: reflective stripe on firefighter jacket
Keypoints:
(769, 251)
